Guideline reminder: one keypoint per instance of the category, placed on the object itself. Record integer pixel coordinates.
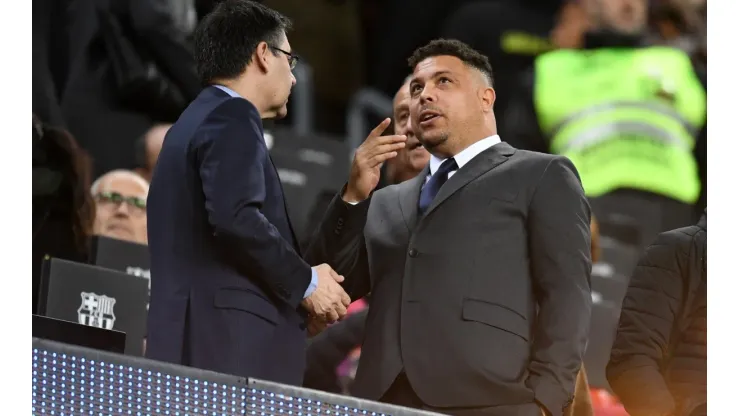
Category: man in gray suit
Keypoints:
(479, 267)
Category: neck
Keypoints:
(251, 91)
(462, 143)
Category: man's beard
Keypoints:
(433, 142)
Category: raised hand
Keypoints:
(369, 157)
(329, 301)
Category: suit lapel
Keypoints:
(480, 164)
(408, 197)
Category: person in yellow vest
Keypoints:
(631, 117)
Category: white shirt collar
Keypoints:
(467, 154)
(228, 90)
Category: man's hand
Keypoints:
(329, 301)
(369, 157)
(315, 326)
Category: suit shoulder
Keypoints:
(232, 114)
(386, 192)
(539, 162)
(536, 157)
(234, 109)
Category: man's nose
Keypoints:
(292, 80)
(408, 129)
(123, 209)
(427, 94)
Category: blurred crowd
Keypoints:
(110, 77)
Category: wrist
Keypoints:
(353, 196)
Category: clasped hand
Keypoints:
(328, 303)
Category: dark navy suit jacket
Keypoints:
(227, 278)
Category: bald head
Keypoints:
(120, 198)
(149, 147)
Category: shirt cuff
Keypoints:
(313, 285)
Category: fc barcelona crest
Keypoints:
(96, 310)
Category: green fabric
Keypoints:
(627, 118)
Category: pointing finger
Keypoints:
(379, 129)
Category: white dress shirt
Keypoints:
(461, 158)
(465, 156)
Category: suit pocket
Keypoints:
(246, 301)
(497, 316)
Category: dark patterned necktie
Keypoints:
(430, 189)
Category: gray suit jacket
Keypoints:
(484, 300)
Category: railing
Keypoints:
(71, 380)
(302, 99)
(365, 101)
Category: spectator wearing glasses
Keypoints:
(120, 199)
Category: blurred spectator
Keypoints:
(512, 34)
(129, 66)
(414, 157)
(120, 198)
(63, 211)
(658, 363)
(631, 118)
(147, 149)
(683, 24)
(49, 52)
(184, 14)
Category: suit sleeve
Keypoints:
(339, 241)
(231, 156)
(648, 313)
(560, 257)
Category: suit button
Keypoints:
(413, 252)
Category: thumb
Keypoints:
(338, 278)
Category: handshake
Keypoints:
(328, 303)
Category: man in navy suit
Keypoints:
(230, 292)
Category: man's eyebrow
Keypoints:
(435, 75)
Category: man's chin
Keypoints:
(431, 141)
(119, 233)
(282, 112)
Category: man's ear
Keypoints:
(487, 98)
(260, 56)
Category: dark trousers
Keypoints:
(401, 393)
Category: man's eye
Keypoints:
(444, 80)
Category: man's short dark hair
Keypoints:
(452, 47)
(227, 38)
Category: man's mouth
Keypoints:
(414, 145)
(428, 116)
(118, 227)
